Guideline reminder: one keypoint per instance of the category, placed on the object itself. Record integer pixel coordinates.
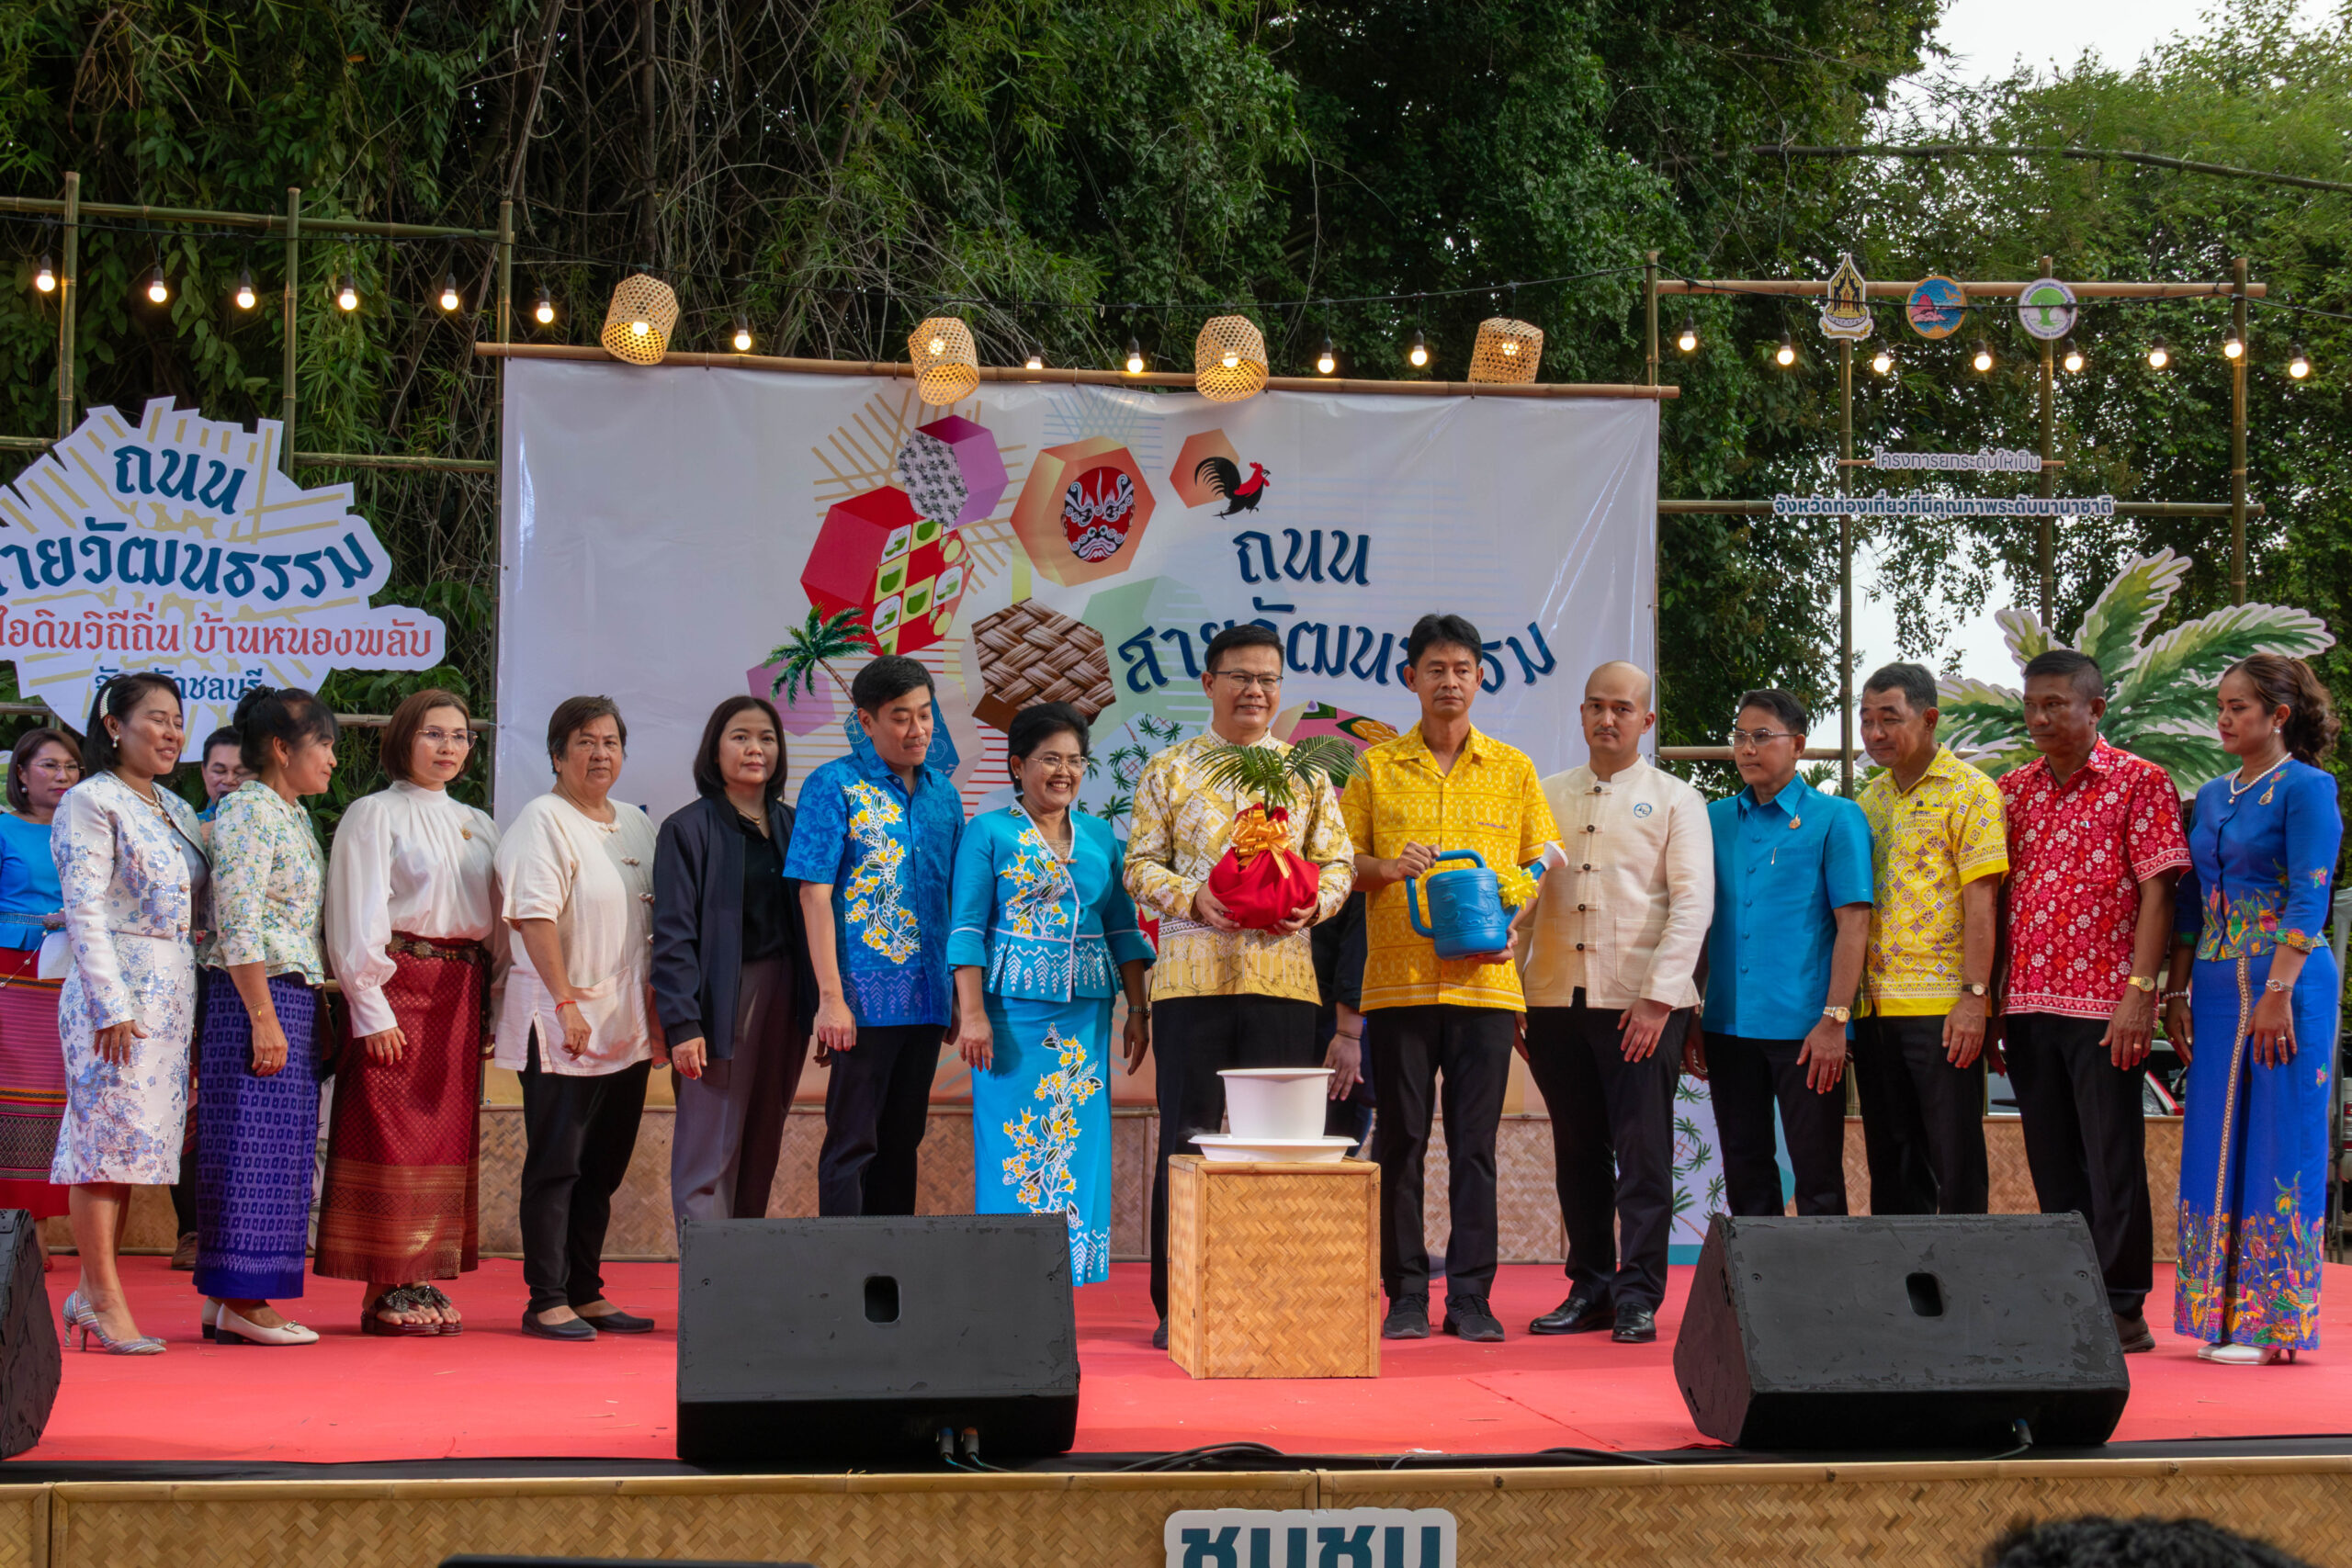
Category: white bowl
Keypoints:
(1223, 1146)
(1276, 1102)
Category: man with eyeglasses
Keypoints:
(224, 768)
(1783, 964)
(1222, 995)
(1439, 787)
(2094, 847)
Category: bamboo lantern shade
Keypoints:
(1229, 359)
(947, 365)
(637, 325)
(1507, 350)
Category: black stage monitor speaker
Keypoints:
(858, 1340)
(1900, 1332)
(28, 1351)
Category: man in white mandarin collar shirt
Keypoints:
(1613, 946)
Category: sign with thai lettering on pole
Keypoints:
(176, 543)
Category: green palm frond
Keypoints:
(2199, 650)
(2127, 607)
(1274, 774)
(813, 645)
(2025, 634)
(1975, 713)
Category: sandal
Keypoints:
(431, 1297)
(400, 1299)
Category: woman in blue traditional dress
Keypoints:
(2257, 1022)
(1043, 937)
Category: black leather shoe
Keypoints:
(1467, 1318)
(1636, 1326)
(1408, 1317)
(1577, 1315)
(576, 1328)
(2134, 1330)
(616, 1321)
(1159, 1336)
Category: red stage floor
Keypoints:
(492, 1393)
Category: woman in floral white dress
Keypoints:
(132, 867)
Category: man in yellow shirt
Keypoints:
(1440, 786)
(1939, 847)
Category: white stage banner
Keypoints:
(665, 528)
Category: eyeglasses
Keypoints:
(462, 740)
(54, 769)
(1251, 682)
(1742, 738)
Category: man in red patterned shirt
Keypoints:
(2095, 846)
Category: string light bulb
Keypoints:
(1135, 356)
(157, 290)
(1419, 355)
(2233, 346)
(1983, 358)
(1036, 361)
(742, 334)
(2072, 359)
(1884, 360)
(245, 296)
(1786, 355)
(2158, 354)
(545, 308)
(937, 344)
(45, 276)
(450, 298)
(2299, 364)
(346, 293)
(1328, 360)
(1687, 340)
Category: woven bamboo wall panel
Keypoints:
(24, 1527)
(1018, 1521)
(1273, 1269)
(1919, 1515)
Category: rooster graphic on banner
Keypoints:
(1223, 475)
(1098, 509)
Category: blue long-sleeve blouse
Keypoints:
(2260, 866)
(1043, 929)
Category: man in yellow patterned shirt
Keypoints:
(1222, 995)
(1439, 787)
(1939, 847)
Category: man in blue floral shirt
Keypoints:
(872, 847)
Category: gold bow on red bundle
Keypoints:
(1260, 829)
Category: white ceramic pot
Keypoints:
(1282, 1103)
(1225, 1146)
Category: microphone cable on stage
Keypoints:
(2025, 1438)
(1186, 1457)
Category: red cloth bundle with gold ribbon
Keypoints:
(1261, 880)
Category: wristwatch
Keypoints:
(1838, 1015)
(2142, 983)
(1977, 988)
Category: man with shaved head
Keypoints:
(1607, 973)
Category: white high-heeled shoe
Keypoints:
(230, 1328)
(2245, 1355)
(209, 1318)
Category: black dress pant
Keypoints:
(1923, 1119)
(1613, 1146)
(1413, 1048)
(578, 1135)
(1744, 1078)
(1194, 1039)
(878, 1107)
(2086, 1142)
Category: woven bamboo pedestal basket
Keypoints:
(1273, 1269)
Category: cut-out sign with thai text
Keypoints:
(175, 544)
(1310, 1537)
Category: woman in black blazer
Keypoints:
(731, 968)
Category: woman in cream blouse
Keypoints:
(577, 1022)
(412, 926)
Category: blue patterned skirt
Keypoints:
(1041, 1122)
(2254, 1165)
(256, 1145)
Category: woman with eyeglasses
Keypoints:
(135, 881)
(32, 1070)
(413, 931)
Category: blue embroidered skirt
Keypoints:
(256, 1144)
(1041, 1122)
(2254, 1165)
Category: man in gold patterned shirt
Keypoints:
(1222, 995)
(1940, 846)
(1440, 786)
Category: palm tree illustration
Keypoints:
(2159, 693)
(813, 645)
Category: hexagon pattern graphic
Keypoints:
(1028, 654)
(954, 472)
(903, 571)
(1082, 513)
(1198, 491)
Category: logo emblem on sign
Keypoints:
(2046, 309)
(1846, 307)
(1098, 509)
(1937, 306)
